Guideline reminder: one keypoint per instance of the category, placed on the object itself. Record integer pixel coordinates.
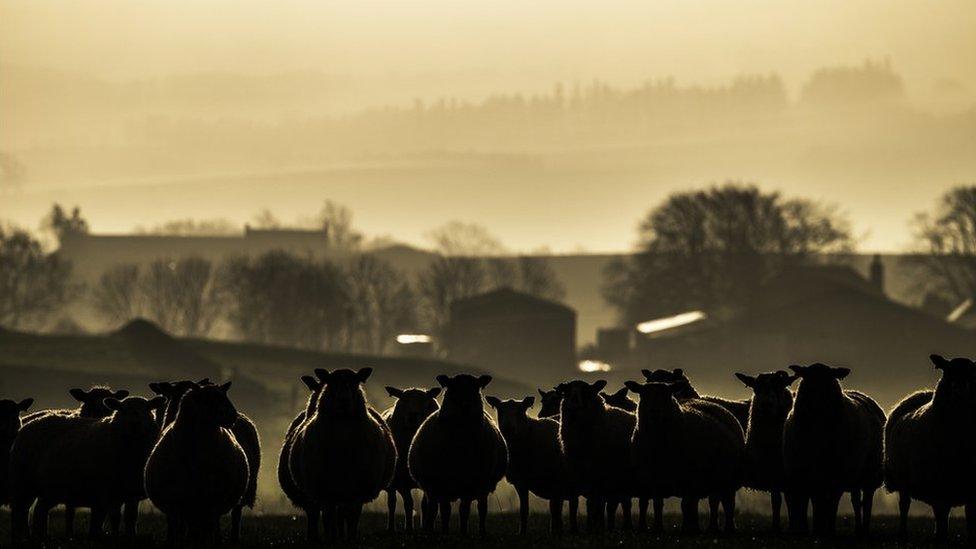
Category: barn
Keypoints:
(515, 335)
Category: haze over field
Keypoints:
(557, 123)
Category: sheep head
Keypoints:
(578, 395)
(208, 406)
(342, 395)
(462, 394)
(93, 400)
(10, 411)
(550, 401)
(413, 406)
(958, 378)
(512, 414)
(620, 400)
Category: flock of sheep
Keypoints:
(195, 457)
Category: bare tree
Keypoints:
(336, 220)
(382, 303)
(33, 284)
(193, 227)
(266, 220)
(117, 296)
(465, 239)
(536, 277)
(714, 249)
(182, 296)
(947, 242)
(62, 224)
(446, 280)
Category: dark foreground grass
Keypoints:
(288, 531)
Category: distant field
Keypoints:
(288, 531)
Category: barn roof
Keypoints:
(508, 300)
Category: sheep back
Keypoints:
(247, 436)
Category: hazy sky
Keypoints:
(470, 49)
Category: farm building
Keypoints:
(515, 335)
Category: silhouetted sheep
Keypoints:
(535, 461)
(294, 494)
(549, 402)
(595, 440)
(404, 418)
(832, 443)
(10, 424)
(738, 408)
(930, 452)
(198, 471)
(343, 455)
(690, 448)
(772, 400)
(458, 453)
(82, 462)
(620, 400)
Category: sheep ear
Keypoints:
(322, 374)
(443, 380)
(493, 402)
(25, 404)
(939, 361)
(746, 379)
(204, 381)
(621, 393)
(599, 385)
(363, 374)
(678, 372)
(112, 403)
(632, 386)
(647, 373)
(560, 389)
(121, 393)
(528, 402)
(484, 380)
(310, 382)
(541, 393)
(157, 403)
(840, 373)
(433, 392)
(798, 370)
(155, 388)
(79, 394)
(225, 387)
(394, 392)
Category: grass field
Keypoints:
(288, 531)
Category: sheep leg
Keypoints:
(941, 522)
(796, 507)
(115, 519)
(689, 515)
(642, 514)
(776, 501)
(391, 511)
(329, 522)
(428, 508)
(235, 523)
(445, 515)
(312, 524)
(96, 521)
(626, 507)
(713, 502)
(353, 512)
(728, 505)
(407, 509)
(867, 506)
(69, 521)
(39, 519)
(130, 516)
(555, 516)
(173, 530)
(971, 521)
(858, 516)
(611, 514)
(574, 514)
(18, 521)
(482, 515)
(595, 508)
(658, 514)
(464, 511)
(523, 495)
(904, 504)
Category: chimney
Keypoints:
(877, 275)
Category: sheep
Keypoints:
(458, 453)
(343, 455)
(771, 402)
(93, 406)
(10, 424)
(404, 418)
(173, 391)
(930, 454)
(198, 471)
(549, 403)
(535, 461)
(294, 494)
(620, 400)
(832, 443)
(595, 441)
(738, 408)
(247, 436)
(690, 448)
(83, 462)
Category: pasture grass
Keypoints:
(288, 531)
